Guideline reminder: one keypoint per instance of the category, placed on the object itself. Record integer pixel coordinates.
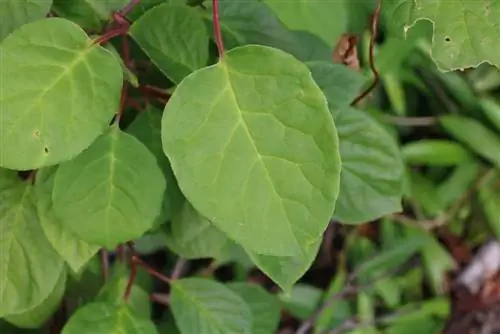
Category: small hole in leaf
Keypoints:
(447, 39)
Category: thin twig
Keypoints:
(160, 298)
(411, 121)
(376, 75)
(217, 30)
(179, 268)
(104, 264)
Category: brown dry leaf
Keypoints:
(345, 51)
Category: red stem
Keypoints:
(128, 8)
(136, 261)
(217, 30)
(104, 38)
(374, 28)
(131, 280)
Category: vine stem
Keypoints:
(135, 262)
(217, 30)
(376, 78)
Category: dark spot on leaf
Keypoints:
(447, 39)
(46, 149)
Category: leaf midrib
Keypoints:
(254, 145)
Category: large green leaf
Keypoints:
(327, 19)
(40, 314)
(255, 150)
(147, 128)
(265, 307)
(371, 182)
(112, 192)
(475, 135)
(73, 250)
(75, 94)
(465, 32)
(193, 236)
(287, 270)
(29, 266)
(15, 13)
(175, 37)
(310, 47)
(203, 306)
(339, 83)
(103, 318)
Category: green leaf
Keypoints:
(71, 102)
(464, 32)
(391, 258)
(193, 236)
(40, 314)
(72, 249)
(265, 307)
(310, 47)
(490, 200)
(112, 292)
(143, 6)
(175, 37)
(204, 306)
(15, 13)
(302, 300)
(255, 150)
(337, 311)
(457, 183)
(111, 193)
(425, 192)
(339, 83)
(103, 318)
(491, 109)
(435, 152)
(327, 19)
(88, 14)
(436, 260)
(83, 287)
(252, 22)
(29, 267)
(475, 135)
(287, 270)
(147, 128)
(371, 182)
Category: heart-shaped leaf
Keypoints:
(256, 150)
